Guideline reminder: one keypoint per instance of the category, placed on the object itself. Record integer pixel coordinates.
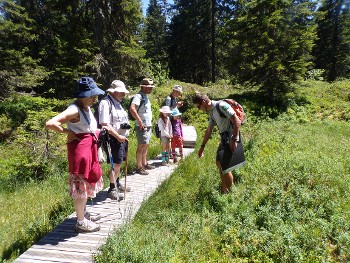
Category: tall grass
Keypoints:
(290, 204)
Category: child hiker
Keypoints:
(166, 133)
(177, 140)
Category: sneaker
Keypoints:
(142, 171)
(113, 194)
(149, 167)
(86, 227)
(121, 188)
(91, 217)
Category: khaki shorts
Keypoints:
(143, 136)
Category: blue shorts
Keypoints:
(143, 136)
(119, 150)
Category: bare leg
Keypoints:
(141, 155)
(226, 179)
(79, 206)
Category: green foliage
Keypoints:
(190, 42)
(155, 34)
(19, 69)
(289, 204)
(315, 74)
(332, 46)
(270, 44)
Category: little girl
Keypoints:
(166, 133)
(177, 140)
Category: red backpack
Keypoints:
(236, 107)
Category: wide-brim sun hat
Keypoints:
(147, 82)
(117, 86)
(165, 109)
(178, 88)
(87, 87)
(176, 112)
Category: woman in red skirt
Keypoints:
(85, 174)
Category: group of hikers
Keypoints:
(83, 137)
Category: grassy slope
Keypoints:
(290, 203)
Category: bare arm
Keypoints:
(235, 132)
(133, 111)
(55, 124)
(206, 137)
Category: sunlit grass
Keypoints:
(291, 203)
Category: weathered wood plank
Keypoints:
(63, 244)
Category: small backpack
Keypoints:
(141, 103)
(157, 130)
(236, 107)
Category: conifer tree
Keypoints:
(190, 41)
(332, 50)
(19, 71)
(270, 43)
(155, 34)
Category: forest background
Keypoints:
(272, 55)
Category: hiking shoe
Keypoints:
(149, 167)
(86, 227)
(91, 217)
(121, 188)
(142, 171)
(165, 164)
(113, 194)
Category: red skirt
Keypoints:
(83, 159)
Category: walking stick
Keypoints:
(126, 166)
(111, 162)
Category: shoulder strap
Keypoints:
(217, 106)
(141, 102)
(84, 114)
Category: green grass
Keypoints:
(290, 202)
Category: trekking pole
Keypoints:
(126, 166)
(111, 162)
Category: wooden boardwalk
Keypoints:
(63, 244)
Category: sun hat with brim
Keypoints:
(176, 112)
(87, 88)
(165, 109)
(178, 88)
(147, 82)
(117, 86)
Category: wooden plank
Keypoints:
(63, 244)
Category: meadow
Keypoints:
(290, 202)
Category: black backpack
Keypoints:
(141, 103)
(156, 130)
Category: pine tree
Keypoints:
(270, 43)
(155, 34)
(19, 71)
(190, 41)
(332, 47)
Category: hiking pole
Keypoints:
(126, 166)
(111, 162)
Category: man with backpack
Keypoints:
(172, 99)
(230, 153)
(141, 110)
(114, 119)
